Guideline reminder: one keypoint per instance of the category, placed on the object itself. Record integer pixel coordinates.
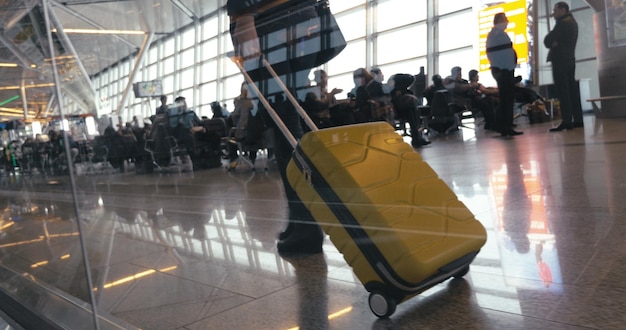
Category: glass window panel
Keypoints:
(352, 24)
(230, 68)
(208, 92)
(188, 38)
(339, 6)
(152, 72)
(186, 78)
(448, 6)
(232, 87)
(466, 59)
(411, 66)
(187, 58)
(343, 81)
(168, 84)
(169, 47)
(125, 68)
(209, 28)
(412, 11)
(227, 44)
(153, 54)
(113, 89)
(209, 49)
(168, 65)
(452, 37)
(114, 73)
(402, 44)
(123, 82)
(585, 48)
(209, 71)
(113, 101)
(189, 97)
(350, 59)
(577, 4)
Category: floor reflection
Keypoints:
(197, 250)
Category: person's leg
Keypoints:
(504, 78)
(417, 140)
(577, 109)
(302, 234)
(561, 74)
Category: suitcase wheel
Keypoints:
(462, 272)
(381, 304)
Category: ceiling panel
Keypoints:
(23, 41)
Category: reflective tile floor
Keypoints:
(198, 250)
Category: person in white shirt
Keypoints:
(503, 60)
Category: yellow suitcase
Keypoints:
(397, 224)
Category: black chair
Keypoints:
(443, 116)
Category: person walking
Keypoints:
(561, 44)
(303, 235)
(503, 60)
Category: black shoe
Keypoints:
(304, 239)
(510, 132)
(421, 143)
(287, 232)
(560, 128)
(578, 124)
(304, 246)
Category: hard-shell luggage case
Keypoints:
(397, 224)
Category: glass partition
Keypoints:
(96, 222)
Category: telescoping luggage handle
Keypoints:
(292, 140)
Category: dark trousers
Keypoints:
(283, 151)
(563, 74)
(504, 117)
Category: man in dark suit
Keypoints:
(561, 42)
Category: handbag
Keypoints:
(296, 36)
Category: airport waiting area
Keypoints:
(313, 164)
(197, 250)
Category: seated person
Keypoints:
(526, 95)
(437, 85)
(485, 99)
(380, 78)
(459, 88)
(221, 112)
(369, 96)
(317, 110)
(240, 116)
(326, 97)
(406, 105)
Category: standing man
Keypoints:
(561, 44)
(503, 60)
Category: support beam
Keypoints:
(47, 8)
(68, 43)
(24, 100)
(20, 56)
(90, 22)
(28, 6)
(143, 52)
